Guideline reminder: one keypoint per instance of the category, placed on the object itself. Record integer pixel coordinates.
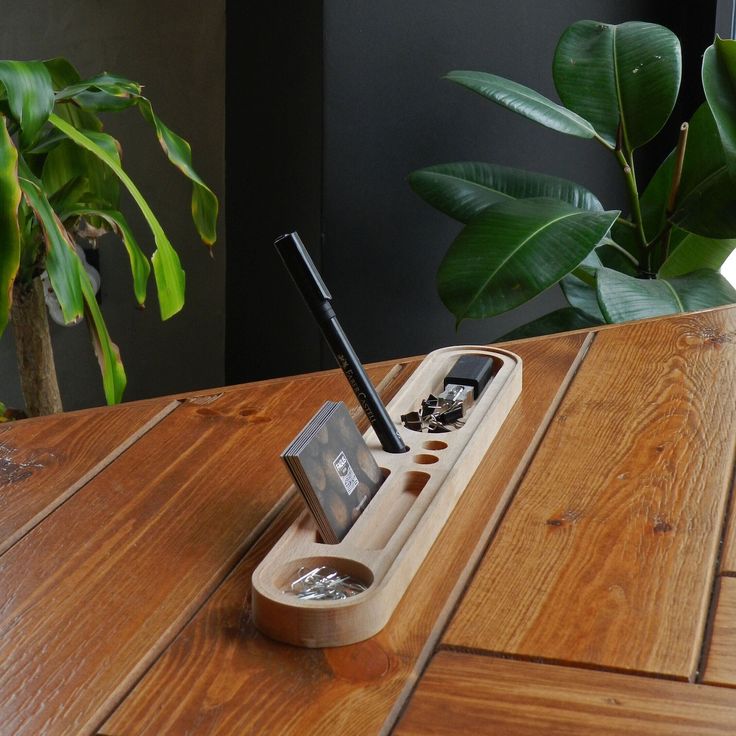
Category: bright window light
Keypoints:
(728, 269)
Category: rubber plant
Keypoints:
(525, 232)
(60, 180)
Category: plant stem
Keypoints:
(626, 222)
(630, 178)
(674, 191)
(613, 244)
(33, 350)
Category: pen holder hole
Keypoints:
(425, 459)
(402, 497)
(434, 445)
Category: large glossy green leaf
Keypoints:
(514, 250)
(462, 190)
(561, 320)
(10, 196)
(167, 268)
(624, 298)
(524, 101)
(719, 85)
(108, 355)
(139, 265)
(628, 73)
(690, 252)
(61, 258)
(204, 201)
(582, 297)
(30, 95)
(706, 202)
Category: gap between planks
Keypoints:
(62, 498)
(557, 662)
(484, 542)
(726, 523)
(386, 388)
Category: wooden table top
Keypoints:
(584, 584)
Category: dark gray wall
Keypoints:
(176, 49)
(385, 112)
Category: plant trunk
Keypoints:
(33, 350)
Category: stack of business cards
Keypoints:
(334, 469)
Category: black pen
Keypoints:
(318, 298)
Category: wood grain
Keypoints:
(94, 593)
(473, 694)
(607, 555)
(221, 677)
(45, 461)
(720, 668)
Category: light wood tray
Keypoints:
(389, 541)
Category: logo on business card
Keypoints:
(345, 473)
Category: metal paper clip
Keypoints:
(324, 584)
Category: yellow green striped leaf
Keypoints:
(60, 254)
(10, 195)
(169, 275)
(204, 201)
(108, 355)
(139, 265)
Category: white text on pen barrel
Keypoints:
(361, 396)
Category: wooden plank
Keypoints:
(221, 676)
(720, 667)
(473, 694)
(607, 555)
(92, 595)
(44, 461)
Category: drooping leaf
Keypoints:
(719, 85)
(524, 101)
(462, 190)
(108, 355)
(139, 265)
(204, 201)
(582, 297)
(167, 268)
(624, 298)
(102, 93)
(10, 195)
(706, 202)
(628, 73)
(513, 251)
(30, 95)
(690, 252)
(561, 320)
(61, 258)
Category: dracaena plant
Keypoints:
(60, 180)
(525, 232)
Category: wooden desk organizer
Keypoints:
(389, 541)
